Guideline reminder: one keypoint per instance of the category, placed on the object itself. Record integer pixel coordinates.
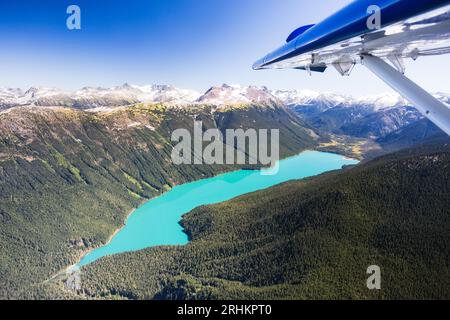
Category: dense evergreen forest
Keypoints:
(309, 239)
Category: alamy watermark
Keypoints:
(73, 22)
(374, 281)
(374, 20)
(235, 147)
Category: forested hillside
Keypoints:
(305, 239)
(68, 178)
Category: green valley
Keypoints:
(68, 178)
(308, 239)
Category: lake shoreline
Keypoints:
(73, 268)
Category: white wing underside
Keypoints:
(424, 35)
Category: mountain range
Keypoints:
(91, 97)
(371, 117)
(111, 148)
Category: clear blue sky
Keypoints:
(187, 43)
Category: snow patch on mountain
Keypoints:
(235, 94)
(92, 97)
(159, 94)
(306, 97)
(330, 99)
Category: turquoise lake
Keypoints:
(156, 223)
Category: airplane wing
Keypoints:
(371, 32)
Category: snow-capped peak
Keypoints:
(444, 97)
(166, 94)
(147, 94)
(381, 101)
(329, 99)
(224, 95)
(93, 97)
(235, 94)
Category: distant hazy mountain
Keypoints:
(231, 95)
(89, 97)
(309, 102)
(410, 135)
(324, 101)
(383, 122)
(366, 117)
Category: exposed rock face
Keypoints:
(73, 282)
(80, 243)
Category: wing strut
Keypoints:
(428, 105)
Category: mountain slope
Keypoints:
(68, 177)
(381, 123)
(413, 134)
(311, 239)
